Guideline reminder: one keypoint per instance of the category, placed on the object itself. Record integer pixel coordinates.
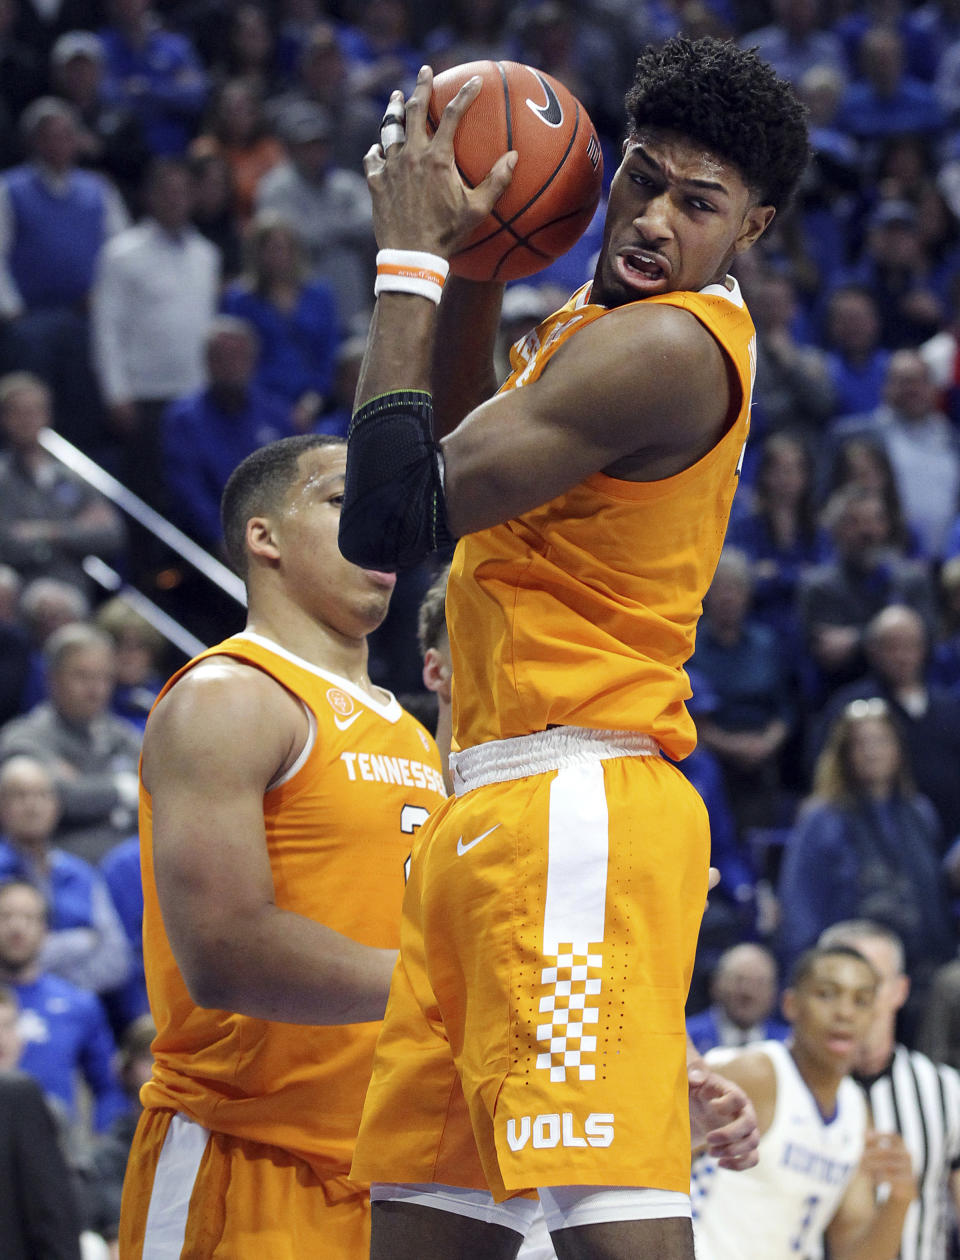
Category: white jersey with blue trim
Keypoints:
(780, 1209)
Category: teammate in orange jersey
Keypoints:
(534, 1038)
(280, 791)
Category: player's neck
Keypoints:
(315, 642)
(822, 1082)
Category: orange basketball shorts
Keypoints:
(535, 1033)
(190, 1194)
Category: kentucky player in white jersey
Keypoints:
(819, 1162)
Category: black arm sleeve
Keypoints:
(393, 513)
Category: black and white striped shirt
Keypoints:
(920, 1100)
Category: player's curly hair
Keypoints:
(730, 101)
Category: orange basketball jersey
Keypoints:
(339, 828)
(583, 612)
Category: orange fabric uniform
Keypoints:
(543, 977)
(583, 611)
(339, 828)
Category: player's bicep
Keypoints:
(207, 781)
(641, 381)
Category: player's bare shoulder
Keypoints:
(755, 1072)
(228, 704)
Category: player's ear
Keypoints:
(755, 223)
(436, 673)
(260, 538)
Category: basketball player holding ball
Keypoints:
(534, 1038)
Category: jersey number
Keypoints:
(411, 817)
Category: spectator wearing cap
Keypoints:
(54, 221)
(321, 79)
(111, 136)
(238, 129)
(208, 433)
(885, 100)
(896, 266)
(156, 73)
(154, 297)
(795, 42)
(922, 447)
(330, 208)
(296, 319)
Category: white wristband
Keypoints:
(411, 271)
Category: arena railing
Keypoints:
(149, 519)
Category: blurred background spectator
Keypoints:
(49, 519)
(154, 298)
(295, 319)
(206, 434)
(743, 1001)
(867, 846)
(64, 1031)
(86, 943)
(91, 753)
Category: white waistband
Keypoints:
(502, 759)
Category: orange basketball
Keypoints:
(556, 182)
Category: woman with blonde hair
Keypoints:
(866, 846)
(296, 318)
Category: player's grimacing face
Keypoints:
(351, 599)
(676, 216)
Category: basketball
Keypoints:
(556, 182)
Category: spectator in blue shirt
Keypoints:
(856, 361)
(866, 846)
(206, 434)
(747, 667)
(154, 72)
(794, 42)
(295, 318)
(64, 1028)
(743, 1001)
(121, 871)
(86, 943)
(885, 100)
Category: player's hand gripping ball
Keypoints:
(556, 182)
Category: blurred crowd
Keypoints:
(186, 273)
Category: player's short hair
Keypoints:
(432, 615)
(730, 101)
(257, 487)
(803, 967)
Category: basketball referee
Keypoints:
(909, 1094)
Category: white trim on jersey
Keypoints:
(183, 1147)
(920, 1100)
(389, 708)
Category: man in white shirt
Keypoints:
(153, 300)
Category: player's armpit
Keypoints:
(650, 382)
